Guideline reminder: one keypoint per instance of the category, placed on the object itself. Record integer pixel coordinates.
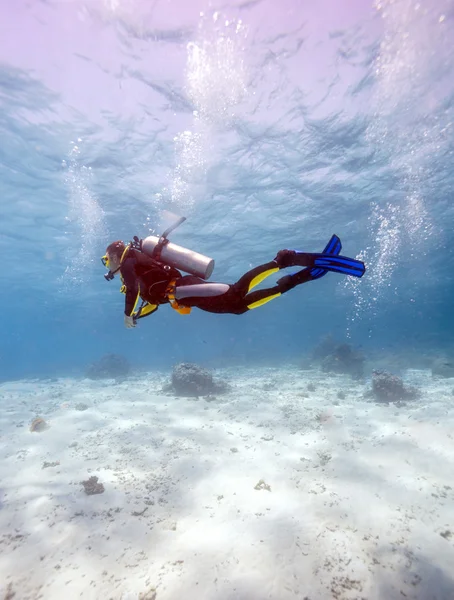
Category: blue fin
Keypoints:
(340, 264)
(333, 247)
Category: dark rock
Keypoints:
(110, 366)
(269, 385)
(443, 367)
(81, 406)
(91, 486)
(324, 348)
(390, 388)
(150, 594)
(189, 379)
(344, 360)
(46, 464)
(38, 425)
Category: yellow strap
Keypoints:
(124, 253)
(123, 287)
(134, 312)
(183, 310)
(170, 294)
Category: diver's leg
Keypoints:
(284, 258)
(291, 258)
(191, 291)
(221, 297)
(255, 276)
(233, 300)
(286, 283)
(320, 263)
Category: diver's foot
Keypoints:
(288, 282)
(285, 258)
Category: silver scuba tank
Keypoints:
(176, 256)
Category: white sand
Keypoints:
(360, 493)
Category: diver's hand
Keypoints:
(129, 322)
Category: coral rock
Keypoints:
(91, 486)
(38, 424)
(390, 388)
(110, 366)
(443, 367)
(343, 359)
(189, 379)
(148, 595)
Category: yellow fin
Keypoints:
(147, 309)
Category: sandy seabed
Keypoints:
(292, 485)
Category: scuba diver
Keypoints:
(150, 271)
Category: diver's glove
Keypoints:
(129, 322)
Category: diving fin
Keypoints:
(340, 264)
(333, 247)
(320, 263)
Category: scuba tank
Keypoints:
(176, 256)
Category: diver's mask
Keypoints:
(106, 262)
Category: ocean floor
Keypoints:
(292, 485)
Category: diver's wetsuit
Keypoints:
(236, 299)
(148, 279)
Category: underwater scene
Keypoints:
(227, 333)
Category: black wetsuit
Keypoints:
(146, 278)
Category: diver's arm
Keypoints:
(130, 301)
(131, 285)
(149, 309)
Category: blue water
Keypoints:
(268, 125)
(275, 157)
